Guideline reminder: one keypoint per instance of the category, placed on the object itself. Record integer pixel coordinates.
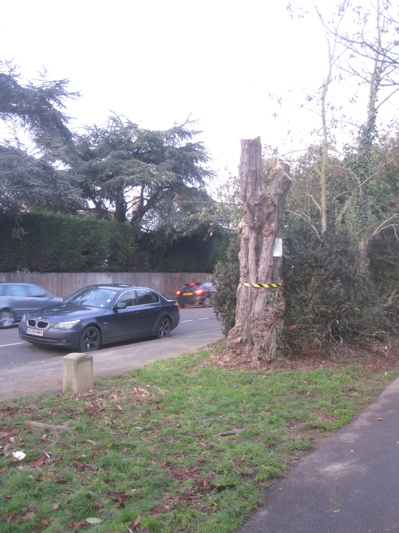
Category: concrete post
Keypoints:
(77, 372)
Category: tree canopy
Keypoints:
(39, 108)
(30, 172)
(153, 179)
(150, 178)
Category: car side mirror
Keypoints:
(120, 305)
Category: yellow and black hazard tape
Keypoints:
(262, 285)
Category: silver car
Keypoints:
(16, 299)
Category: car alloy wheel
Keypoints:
(90, 339)
(207, 302)
(164, 328)
(6, 318)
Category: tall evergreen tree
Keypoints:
(30, 171)
(146, 177)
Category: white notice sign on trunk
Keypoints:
(278, 247)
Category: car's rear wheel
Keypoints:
(164, 328)
(7, 318)
(207, 302)
(90, 339)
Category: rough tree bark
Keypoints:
(264, 186)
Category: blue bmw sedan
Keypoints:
(99, 315)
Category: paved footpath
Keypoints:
(349, 484)
(46, 376)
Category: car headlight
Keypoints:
(65, 325)
(23, 319)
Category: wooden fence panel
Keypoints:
(65, 284)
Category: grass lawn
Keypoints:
(182, 445)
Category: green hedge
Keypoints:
(49, 242)
(192, 253)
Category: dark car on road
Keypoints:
(199, 294)
(99, 315)
(16, 299)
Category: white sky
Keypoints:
(158, 62)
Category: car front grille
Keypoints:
(41, 324)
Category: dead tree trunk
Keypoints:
(264, 186)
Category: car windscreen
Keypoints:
(191, 287)
(93, 297)
(37, 292)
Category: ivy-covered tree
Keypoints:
(347, 190)
(358, 252)
(150, 178)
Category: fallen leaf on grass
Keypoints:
(120, 499)
(61, 480)
(37, 463)
(9, 516)
(9, 437)
(93, 520)
(162, 508)
(27, 513)
(74, 524)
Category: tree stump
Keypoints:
(264, 186)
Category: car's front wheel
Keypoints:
(90, 339)
(164, 328)
(7, 318)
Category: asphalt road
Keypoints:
(14, 351)
(27, 369)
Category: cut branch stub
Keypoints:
(264, 185)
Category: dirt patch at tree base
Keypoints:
(376, 358)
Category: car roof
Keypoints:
(117, 286)
(198, 283)
(113, 285)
